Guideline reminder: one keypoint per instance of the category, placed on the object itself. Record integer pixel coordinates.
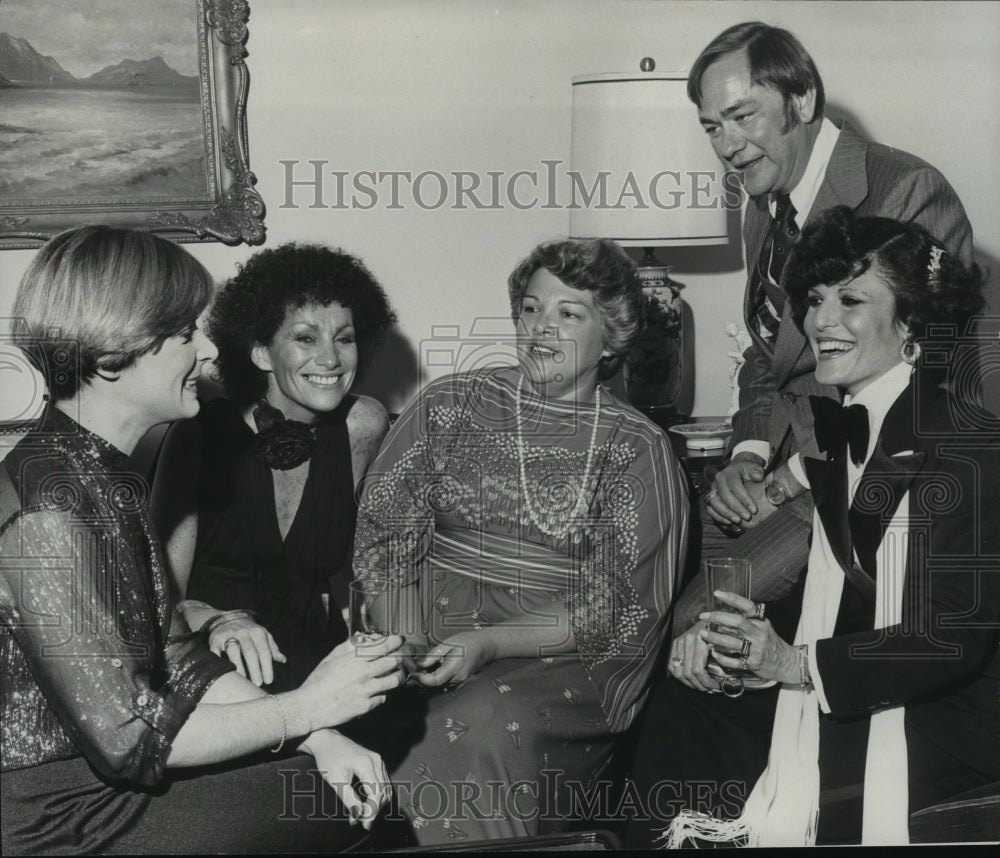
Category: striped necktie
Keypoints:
(769, 299)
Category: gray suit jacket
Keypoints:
(873, 180)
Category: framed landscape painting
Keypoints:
(127, 112)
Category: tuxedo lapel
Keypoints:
(828, 482)
(880, 489)
(887, 477)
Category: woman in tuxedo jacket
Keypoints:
(890, 697)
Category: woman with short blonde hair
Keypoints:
(104, 689)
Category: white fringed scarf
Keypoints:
(783, 807)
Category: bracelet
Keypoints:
(804, 679)
(224, 616)
(284, 724)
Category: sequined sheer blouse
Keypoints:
(94, 659)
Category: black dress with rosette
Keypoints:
(240, 559)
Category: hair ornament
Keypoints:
(934, 266)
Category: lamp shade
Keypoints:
(642, 169)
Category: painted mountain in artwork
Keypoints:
(153, 72)
(21, 63)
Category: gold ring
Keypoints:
(745, 647)
(758, 613)
(230, 641)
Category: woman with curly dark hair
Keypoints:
(888, 703)
(538, 524)
(255, 498)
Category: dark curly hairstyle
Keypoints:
(595, 265)
(839, 246)
(252, 306)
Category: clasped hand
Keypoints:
(737, 495)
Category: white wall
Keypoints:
(485, 86)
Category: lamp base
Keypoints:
(654, 368)
(653, 273)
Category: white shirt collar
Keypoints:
(803, 195)
(879, 396)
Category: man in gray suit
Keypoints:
(761, 101)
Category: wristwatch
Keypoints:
(774, 491)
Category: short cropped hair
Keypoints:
(97, 298)
(775, 57)
(930, 285)
(598, 266)
(252, 306)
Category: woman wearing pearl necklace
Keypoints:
(541, 523)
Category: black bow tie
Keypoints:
(840, 427)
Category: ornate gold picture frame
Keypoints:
(137, 143)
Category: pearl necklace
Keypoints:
(578, 507)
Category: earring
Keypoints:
(910, 352)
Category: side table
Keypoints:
(696, 455)
(694, 463)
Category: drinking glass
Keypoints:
(369, 610)
(731, 574)
(384, 606)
